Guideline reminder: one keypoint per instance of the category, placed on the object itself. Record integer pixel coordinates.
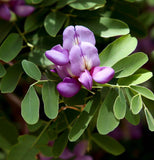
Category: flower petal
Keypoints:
(69, 87)
(5, 12)
(85, 35)
(68, 37)
(57, 55)
(23, 10)
(67, 154)
(80, 148)
(102, 74)
(76, 60)
(84, 158)
(90, 55)
(86, 79)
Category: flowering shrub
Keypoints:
(74, 81)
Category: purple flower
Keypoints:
(77, 62)
(16, 6)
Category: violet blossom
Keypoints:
(17, 6)
(78, 152)
(77, 62)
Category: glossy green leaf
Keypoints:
(84, 119)
(11, 78)
(108, 144)
(130, 64)
(53, 22)
(30, 106)
(136, 104)
(34, 21)
(145, 92)
(63, 3)
(150, 119)
(6, 128)
(2, 70)
(119, 107)
(106, 121)
(10, 47)
(87, 4)
(51, 99)
(24, 150)
(60, 144)
(141, 76)
(31, 69)
(117, 50)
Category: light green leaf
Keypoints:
(24, 150)
(108, 144)
(30, 106)
(31, 69)
(150, 119)
(51, 99)
(2, 70)
(145, 92)
(106, 121)
(84, 119)
(130, 64)
(6, 128)
(119, 107)
(11, 78)
(87, 4)
(136, 104)
(53, 22)
(141, 76)
(60, 144)
(10, 47)
(117, 50)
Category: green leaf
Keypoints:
(84, 119)
(10, 47)
(33, 1)
(106, 121)
(63, 3)
(87, 4)
(51, 99)
(150, 119)
(60, 144)
(11, 78)
(142, 75)
(2, 70)
(108, 144)
(117, 50)
(5, 28)
(6, 128)
(119, 107)
(130, 64)
(53, 22)
(145, 92)
(136, 104)
(31, 69)
(24, 150)
(30, 106)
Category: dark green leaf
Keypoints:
(30, 106)
(145, 92)
(10, 47)
(24, 150)
(106, 121)
(53, 22)
(117, 50)
(2, 70)
(63, 3)
(84, 119)
(136, 104)
(60, 144)
(31, 69)
(51, 99)
(11, 78)
(130, 64)
(108, 144)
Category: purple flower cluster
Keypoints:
(16, 6)
(77, 62)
